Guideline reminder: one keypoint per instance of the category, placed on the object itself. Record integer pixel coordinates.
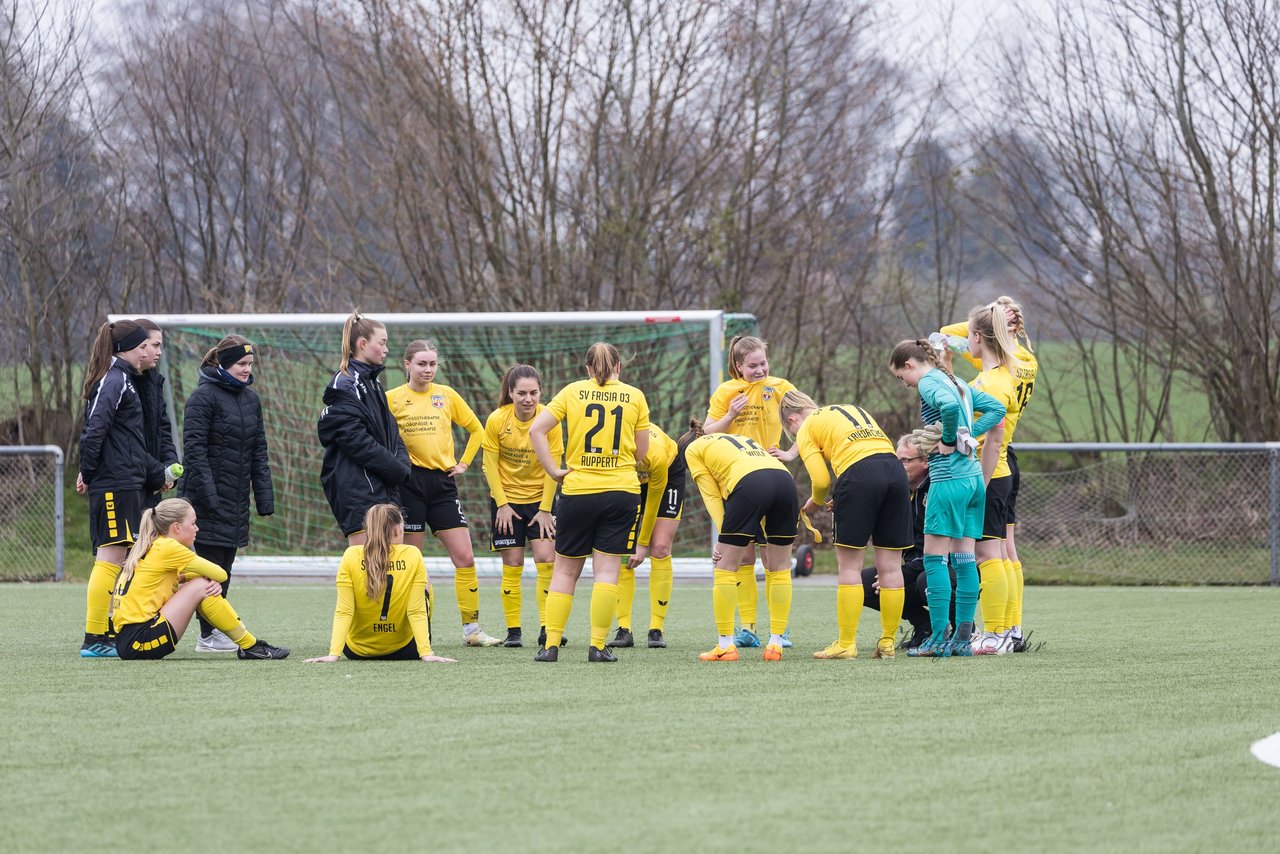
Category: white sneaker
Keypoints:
(990, 643)
(216, 642)
(479, 638)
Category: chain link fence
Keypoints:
(31, 512)
(1150, 513)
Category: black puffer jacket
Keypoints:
(364, 458)
(158, 433)
(113, 446)
(225, 443)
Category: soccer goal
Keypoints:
(676, 358)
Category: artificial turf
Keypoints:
(1127, 728)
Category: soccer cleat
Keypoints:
(745, 637)
(479, 638)
(837, 651)
(720, 654)
(961, 647)
(884, 649)
(514, 638)
(263, 650)
(595, 654)
(547, 653)
(786, 638)
(216, 641)
(98, 646)
(655, 639)
(989, 643)
(919, 634)
(1017, 643)
(542, 638)
(931, 649)
(772, 652)
(622, 640)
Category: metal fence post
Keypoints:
(59, 513)
(1275, 516)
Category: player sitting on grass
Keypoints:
(382, 614)
(164, 582)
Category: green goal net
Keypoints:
(676, 358)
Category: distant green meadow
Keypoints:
(1127, 728)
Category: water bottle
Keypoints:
(954, 343)
(173, 472)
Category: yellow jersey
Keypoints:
(426, 420)
(1024, 368)
(842, 435)
(761, 418)
(653, 470)
(602, 422)
(379, 628)
(141, 596)
(1000, 384)
(718, 461)
(510, 466)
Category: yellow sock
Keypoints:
(626, 596)
(97, 600)
(778, 585)
(1016, 595)
(544, 586)
(512, 599)
(848, 611)
(558, 607)
(223, 617)
(724, 598)
(891, 601)
(993, 596)
(467, 588)
(604, 600)
(1008, 605)
(660, 576)
(748, 595)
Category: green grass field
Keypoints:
(1127, 729)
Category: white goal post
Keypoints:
(297, 353)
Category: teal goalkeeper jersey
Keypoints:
(941, 401)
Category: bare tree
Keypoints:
(1141, 174)
(58, 216)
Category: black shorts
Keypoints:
(599, 521)
(872, 502)
(408, 652)
(523, 528)
(152, 639)
(996, 517)
(763, 500)
(1015, 477)
(671, 502)
(430, 499)
(114, 516)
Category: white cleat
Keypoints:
(479, 638)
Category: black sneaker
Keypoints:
(547, 654)
(514, 638)
(594, 654)
(919, 635)
(655, 639)
(542, 638)
(622, 640)
(1020, 644)
(262, 649)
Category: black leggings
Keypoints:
(223, 556)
